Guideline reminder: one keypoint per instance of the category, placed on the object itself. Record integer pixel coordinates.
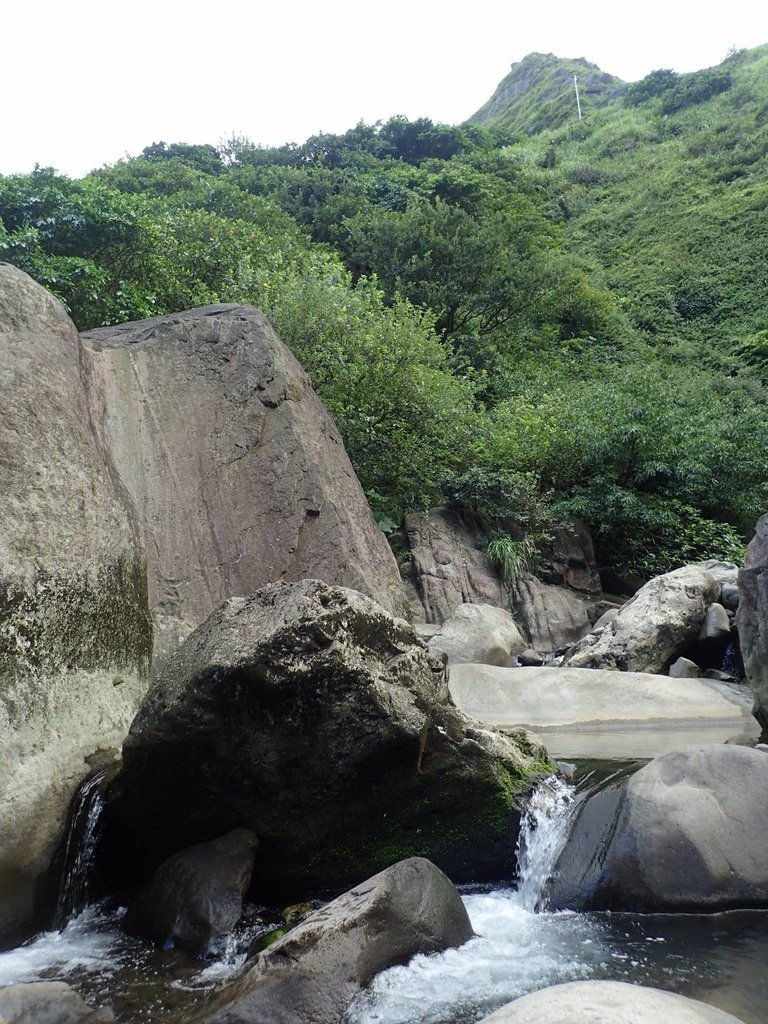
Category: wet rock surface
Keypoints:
(752, 619)
(311, 975)
(48, 1002)
(686, 833)
(196, 895)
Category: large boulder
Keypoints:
(75, 634)
(308, 714)
(687, 833)
(196, 895)
(552, 617)
(238, 474)
(448, 567)
(312, 974)
(653, 627)
(48, 1002)
(607, 1002)
(752, 619)
(581, 712)
(478, 633)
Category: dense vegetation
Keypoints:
(529, 326)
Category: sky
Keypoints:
(87, 82)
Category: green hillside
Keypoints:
(528, 316)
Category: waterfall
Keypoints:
(87, 806)
(543, 831)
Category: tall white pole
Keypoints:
(578, 101)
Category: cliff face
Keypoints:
(238, 475)
(539, 93)
(75, 634)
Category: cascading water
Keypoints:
(80, 849)
(543, 831)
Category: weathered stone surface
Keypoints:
(607, 1002)
(723, 573)
(570, 559)
(48, 1002)
(308, 714)
(196, 895)
(447, 567)
(75, 634)
(688, 833)
(552, 617)
(531, 658)
(653, 627)
(716, 625)
(729, 596)
(684, 668)
(552, 697)
(478, 633)
(238, 474)
(752, 619)
(312, 974)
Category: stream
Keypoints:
(519, 947)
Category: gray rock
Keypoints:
(552, 617)
(75, 634)
(530, 658)
(724, 573)
(729, 596)
(570, 559)
(607, 1002)
(479, 633)
(238, 474)
(447, 566)
(312, 974)
(48, 1002)
(752, 619)
(196, 895)
(686, 833)
(652, 627)
(308, 714)
(716, 624)
(608, 616)
(684, 668)
(718, 674)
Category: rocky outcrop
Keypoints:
(686, 833)
(552, 617)
(237, 473)
(48, 1002)
(196, 895)
(312, 974)
(752, 619)
(447, 567)
(607, 1002)
(75, 635)
(311, 716)
(653, 627)
(478, 633)
(569, 560)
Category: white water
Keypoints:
(81, 849)
(516, 950)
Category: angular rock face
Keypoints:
(308, 714)
(311, 975)
(686, 833)
(447, 567)
(196, 895)
(653, 626)
(553, 617)
(238, 474)
(607, 1002)
(752, 619)
(75, 635)
(570, 559)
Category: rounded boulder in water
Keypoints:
(196, 894)
(607, 1002)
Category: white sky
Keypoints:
(86, 82)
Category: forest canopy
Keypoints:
(570, 322)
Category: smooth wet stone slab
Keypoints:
(600, 713)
